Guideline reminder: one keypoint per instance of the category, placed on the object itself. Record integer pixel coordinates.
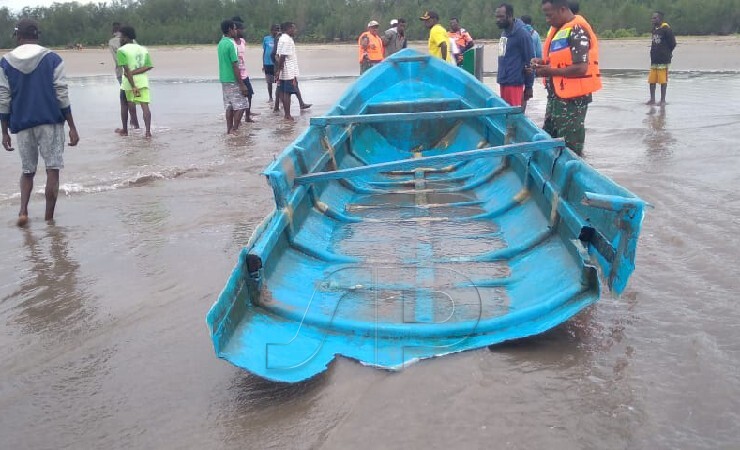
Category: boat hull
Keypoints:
(421, 216)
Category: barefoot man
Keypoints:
(113, 45)
(34, 104)
(136, 63)
(233, 88)
(286, 69)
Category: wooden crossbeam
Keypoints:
(406, 117)
(409, 164)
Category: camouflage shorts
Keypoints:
(566, 119)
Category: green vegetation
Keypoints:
(197, 21)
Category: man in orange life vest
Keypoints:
(370, 47)
(570, 66)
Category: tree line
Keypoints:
(182, 22)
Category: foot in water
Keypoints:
(22, 220)
(306, 105)
(121, 132)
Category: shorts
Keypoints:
(512, 94)
(289, 86)
(269, 73)
(248, 84)
(48, 140)
(142, 98)
(233, 97)
(658, 75)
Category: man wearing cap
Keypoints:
(34, 104)
(394, 38)
(439, 42)
(370, 47)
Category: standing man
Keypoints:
(394, 38)
(127, 110)
(661, 53)
(370, 47)
(241, 50)
(233, 88)
(135, 61)
(286, 67)
(536, 40)
(515, 52)
(34, 104)
(462, 38)
(439, 46)
(570, 66)
(268, 65)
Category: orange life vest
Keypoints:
(556, 53)
(374, 47)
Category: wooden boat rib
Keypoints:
(421, 216)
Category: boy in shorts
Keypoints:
(136, 63)
(34, 104)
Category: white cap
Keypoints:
(394, 22)
(373, 23)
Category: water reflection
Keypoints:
(50, 295)
(253, 406)
(658, 140)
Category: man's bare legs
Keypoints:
(127, 110)
(663, 91)
(26, 188)
(301, 103)
(238, 114)
(233, 119)
(51, 192)
(229, 120)
(652, 95)
(147, 119)
(134, 122)
(278, 97)
(286, 104)
(248, 112)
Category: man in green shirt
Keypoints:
(233, 88)
(136, 63)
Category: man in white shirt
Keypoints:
(286, 66)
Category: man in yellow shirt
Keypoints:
(439, 42)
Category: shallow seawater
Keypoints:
(102, 315)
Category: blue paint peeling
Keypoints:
(421, 216)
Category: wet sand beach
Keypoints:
(692, 53)
(102, 314)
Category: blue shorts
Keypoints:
(250, 90)
(289, 86)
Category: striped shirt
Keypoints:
(286, 47)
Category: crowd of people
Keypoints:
(35, 105)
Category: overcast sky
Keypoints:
(17, 5)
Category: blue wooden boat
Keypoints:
(421, 216)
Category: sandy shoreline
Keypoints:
(708, 53)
